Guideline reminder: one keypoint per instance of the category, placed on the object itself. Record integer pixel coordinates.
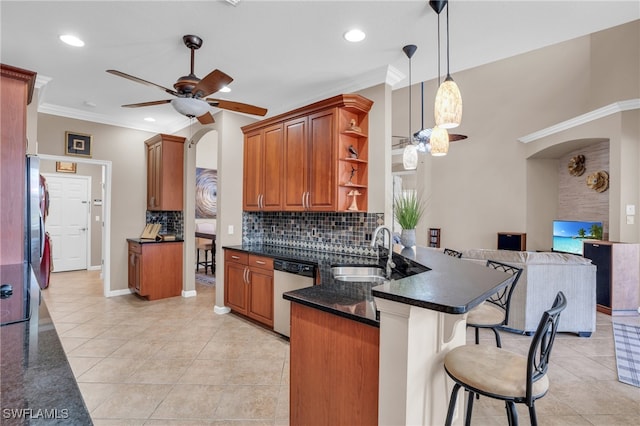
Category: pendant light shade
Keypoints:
(410, 157)
(439, 141)
(448, 105)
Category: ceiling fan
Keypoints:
(191, 92)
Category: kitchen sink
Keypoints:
(358, 273)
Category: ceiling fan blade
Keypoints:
(144, 104)
(213, 82)
(454, 137)
(206, 118)
(237, 106)
(139, 80)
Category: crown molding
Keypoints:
(596, 114)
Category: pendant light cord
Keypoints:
(410, 136)
(439, 49)
(448, 74)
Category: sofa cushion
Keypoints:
(525, 257)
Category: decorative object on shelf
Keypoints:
(576, 165)
(410, 154)
(408, 209)
(598, 181)
(448, 104)
(206, 193)
(354, 205)
(353, 172)
(77, 144)
(65, 167)
(353, 127)
(353, 152)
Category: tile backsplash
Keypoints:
(348, 233)
(172, 222)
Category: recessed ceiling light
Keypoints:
(225, 89)
(354, 35)
(150, 119)
(72, 40)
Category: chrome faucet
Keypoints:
(381, 229)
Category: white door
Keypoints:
(68, 221)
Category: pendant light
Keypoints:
(410, 153)
(448, 105)
(439, 138)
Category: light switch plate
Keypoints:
(230, 230)
(631, 209)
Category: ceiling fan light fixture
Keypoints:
(439, 141)
(71, 40)
(191, 107)
(225, 89)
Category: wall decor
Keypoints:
(598, 181)
(206, 193)
(576, 165)
(77, 144)
(65, 167)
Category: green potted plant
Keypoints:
(408, 209)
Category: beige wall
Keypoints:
(485, 184)
(125, 149)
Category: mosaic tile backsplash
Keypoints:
(172, 222)
(347, 233)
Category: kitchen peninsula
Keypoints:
(386, 369)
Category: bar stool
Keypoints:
(500, 374)
(205, 245)
(494, 312)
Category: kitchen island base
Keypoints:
(414, 387)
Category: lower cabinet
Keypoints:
(248, 285)
(155, 269)
(334, 365)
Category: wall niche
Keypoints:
(576, 200)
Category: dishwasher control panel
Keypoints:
(297, 268)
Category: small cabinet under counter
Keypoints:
(155, 268)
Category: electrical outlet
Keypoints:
(97, 218)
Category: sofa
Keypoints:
(543, 275)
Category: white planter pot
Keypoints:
(408, 237)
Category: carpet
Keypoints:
(627, 343)
(205, 279)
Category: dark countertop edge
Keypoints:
(458, 310)
(147, 241)
(293, 298)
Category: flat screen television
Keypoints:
(568, 234)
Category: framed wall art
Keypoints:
(65, 167)
(206, 193)
(77, 144)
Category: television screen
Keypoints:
(568, 234)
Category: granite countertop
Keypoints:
(449, 285)
(149, 241)
(37, 383)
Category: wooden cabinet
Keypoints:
(335, 358)
(17, 89)
(516, 241)
(155, 269)
(263, 158)
(434, 237)
(617, 276)
(325, 157)
(165, 168)
(248, 285)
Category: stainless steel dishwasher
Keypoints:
(288, 276)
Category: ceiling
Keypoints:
(281, 54)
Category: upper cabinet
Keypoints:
(321, 164)
(165, 169)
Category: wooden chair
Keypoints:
(204, 245)
(452, 253)
(497, 373)
(493, 313)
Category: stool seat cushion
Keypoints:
(486, 314)
(493, 370)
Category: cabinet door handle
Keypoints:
(262, 201)
(308, 200)
(304, 206)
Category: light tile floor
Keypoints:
(175, 362)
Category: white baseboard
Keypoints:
(94, 268)
(122, 292)
(221, 310)
(189, 293)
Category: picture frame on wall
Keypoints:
(65, 167)
(77, 144)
